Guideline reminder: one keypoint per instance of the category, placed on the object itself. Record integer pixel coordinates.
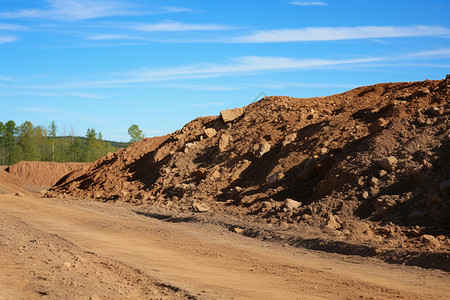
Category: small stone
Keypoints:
(331, 222)
(324, 151)
(215, 175)
(283, 225)
(388, 163)
(361, 181)
(20, 194)
(238, 230)
(291, 204)
(374, 191)
(429, 239)
(188, 147)
(200, 207)
(381, 173)
(210, 132)
(260, 149)
(223, 142)
(267, 205)
(230, 115)
(374, 181)
(289, 139)
(378, 126)
(274, 177)
(66, 265)
(365, 194)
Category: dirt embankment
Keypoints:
(367, 167)
(43, 173)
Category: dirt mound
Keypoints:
(9, 184)
(366, 166)
(42, 173)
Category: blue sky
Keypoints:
(108, 64)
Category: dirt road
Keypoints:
(67, 249)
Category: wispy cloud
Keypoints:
(37, 109)
(74, 10)
(8, 39)
(11, 27)
(313, 3)
(239, 66)
(178, 26)
(340, 33)
(201, 87)
(110, 37)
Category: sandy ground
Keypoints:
(67, 249)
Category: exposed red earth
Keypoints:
(236, 205)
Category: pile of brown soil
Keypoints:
(42, 173)
(370, 165)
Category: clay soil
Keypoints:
(76, 249)
(346, 196)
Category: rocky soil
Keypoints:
(366, 170)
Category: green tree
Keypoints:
(52, 133)
(135, 133)
(9, 141)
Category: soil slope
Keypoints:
(369, 166)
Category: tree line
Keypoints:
(37, 143)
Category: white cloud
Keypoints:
(8, 39)
(340, 33)
(37, 109)
(178, 26)
(315, 3)
(12, 27)
(240, 66)
(109, 37)
(201, 87)
(74, 10)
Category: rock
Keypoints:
(230, 115)
(223, 142)
(445, 188)
(388, 163)
(378, 126)
(430, 241)
(365, 195)
(200, 207)
(381, 173)
(331, 222)
(66, 266)
(266, 205)
(291, 204)
(210, 132)
(260, 149)
(215, 175)
(274, 177)
(238, 230)
(188, 147)
(289, 139)
(374, 181)
(20, 194)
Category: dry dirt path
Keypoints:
(56, 249)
